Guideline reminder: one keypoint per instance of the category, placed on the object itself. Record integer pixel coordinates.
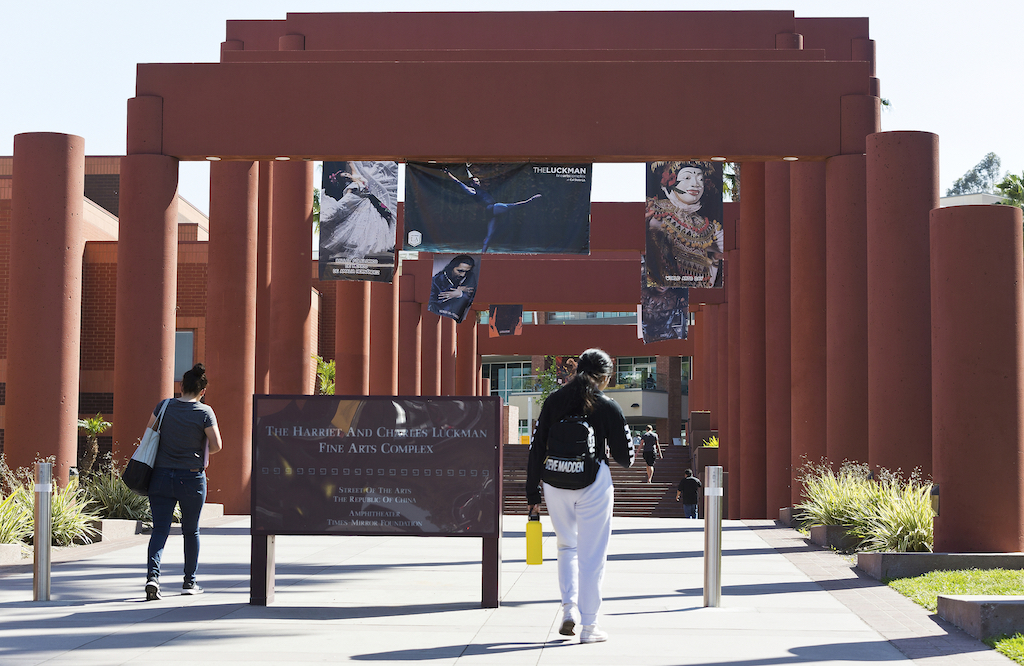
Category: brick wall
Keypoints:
(5, 269)
(325, 346)
(102, 189)
(99, 297)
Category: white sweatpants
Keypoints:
(583, 525)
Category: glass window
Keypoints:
(636, 372)
(184, 342)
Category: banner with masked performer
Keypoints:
(685, 240)
(358, 221)
(499, 208)
(453, 287)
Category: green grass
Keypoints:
(925, 590)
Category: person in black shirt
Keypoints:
(582, 518)
(689, 489)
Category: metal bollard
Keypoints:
(41, 538)
(713, 494)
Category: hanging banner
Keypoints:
(358, 219)
(685, 241)
(505, 320)
(453, 287)
(665, 311)
(378, 465)
(498, 208)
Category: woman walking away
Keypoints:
(179, 476)
(578, 489)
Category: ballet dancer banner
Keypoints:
(685, 242)
(498, 208)
(358, 219)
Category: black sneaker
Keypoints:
(152, 590)
(191, 588)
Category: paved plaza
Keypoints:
(407, 600)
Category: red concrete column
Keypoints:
(711, 345)
(147, 275)
(902, 189)
(291, 278)
(448, 340)
(231, 327)
(807, 311)
(352, 338)
(777, 337)
(977, 333)
(409, 337)
(752, 344)
(698, 365)
(732, 283)
(430, 342)
(383, 345)
(722, 399)
(466, 374)
(44, 315)
(847, 311)
(263, 261)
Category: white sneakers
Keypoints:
(570, 618)
(592, 634)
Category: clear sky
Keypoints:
(947, 67)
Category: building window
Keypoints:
(509, 378)
(636, 372)
(183, 353)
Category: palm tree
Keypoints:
(87, 454)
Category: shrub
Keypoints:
(885, 511)
(110, 498)
(15, 518)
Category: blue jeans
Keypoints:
(689, 511)
(188, 490)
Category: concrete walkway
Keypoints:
(408, 600)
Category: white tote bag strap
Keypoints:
(160, 418)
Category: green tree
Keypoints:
(1012, 188)
(982, 178)
(325, 372)
(548, 378)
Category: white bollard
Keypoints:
(42, 536)
(713, 495)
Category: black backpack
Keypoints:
(572, 461)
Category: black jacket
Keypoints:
(610, 431)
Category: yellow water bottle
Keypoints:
(534, 540)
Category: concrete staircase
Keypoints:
(633, 495)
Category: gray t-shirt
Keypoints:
(182, 433)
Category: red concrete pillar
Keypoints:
(698, 366)
(448, 340)
(44, 315)
(807, 310)
(147, 275)
(430, 344)
(231, 327)
(847, 311)
(711, 344)
(291, 351)
(752, 345)
(263, 261)
(409, 337)
(778, 369)
(977, 338)
(732, 283)
(722, 399)
(466, 382)
(383, 342)
(352, 338)
(902, 189)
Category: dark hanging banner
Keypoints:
(376, 465)
(498, 208)
(453, 287)
(665, 312)
(358, 219)
(685, 241)
(505, 320)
